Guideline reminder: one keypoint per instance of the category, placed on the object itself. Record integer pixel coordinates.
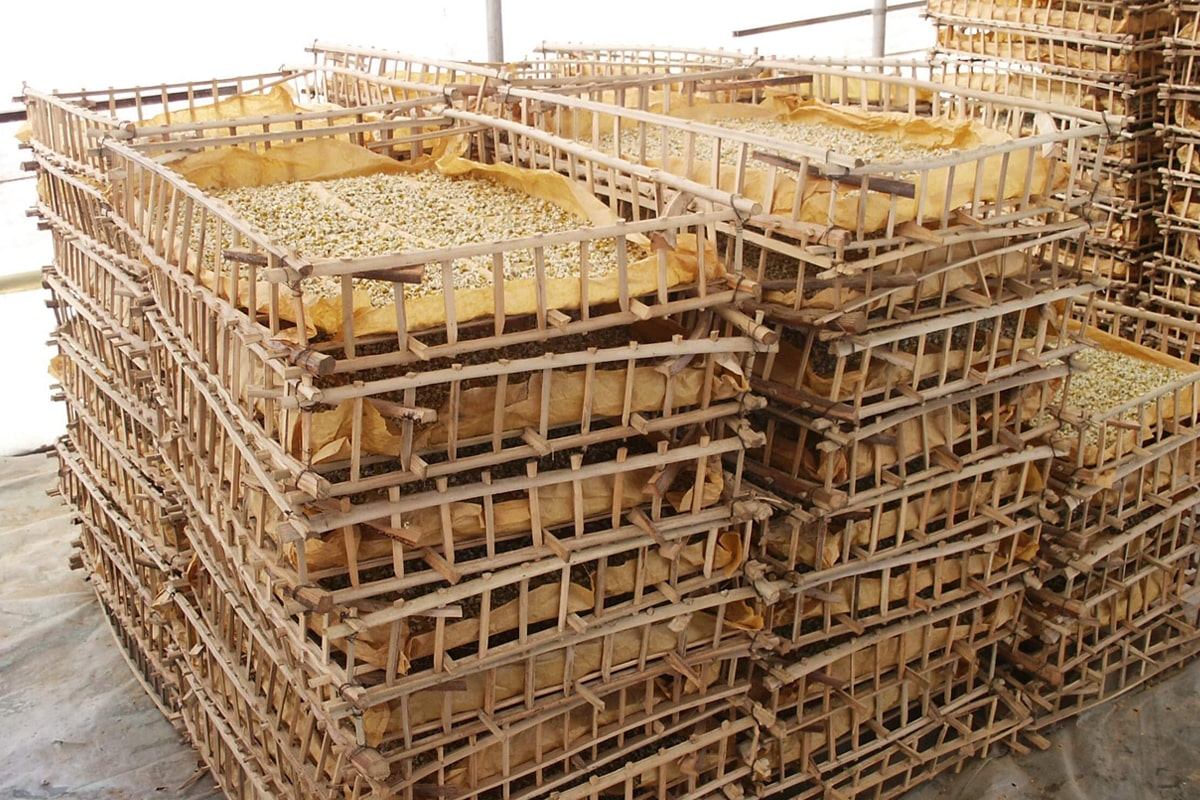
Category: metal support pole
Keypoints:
(495, 31)
(21, 282)
(879, 20)
(866, 12)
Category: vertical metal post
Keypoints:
(495, 31)
(879, 19)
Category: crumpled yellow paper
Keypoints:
(371, 646)
(901, 519)
(331, 431)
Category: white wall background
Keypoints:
(72, 45)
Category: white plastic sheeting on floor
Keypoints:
(1142, 746)
(74, 722)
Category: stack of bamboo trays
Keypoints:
(1084, 512)
(132, 517)
(892, 576)
(545, 537)
(1097, 54)
(477, 541)
(1170, 283)
(1116, 599)
(112, 471)
(1115, 603)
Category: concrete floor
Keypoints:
(73, 720)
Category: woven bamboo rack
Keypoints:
(824, 536)
(653, 61)
(872, 715)
(1101, 55)
(1088, 510)
(69, 127)
(1155, 538)
(127, 575)
(1098, 445)
(1169, 282)
(908, 517)
(660, 578)
(920, 547)
(553, 67)
(1061, 681)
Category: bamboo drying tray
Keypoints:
(266, 387)
(857, 376)
(1080, 673)
(1159, 470)
(72, 202)
(281, 266)
(70, 127)
(630, 75)
(958, 389)
(833, 714)
(1120, 572)
(343, 68)
(313, 161)
(917, 189)
(82, 279)
(816, 465)
(1180, 43)
(1112, 20)
(1134, 99)
(826, 605)
(569, 116)
(808, 546)
(1059, 48)
(1098, 442)
(352, 69)
(854, 250)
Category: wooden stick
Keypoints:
(876, 183)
